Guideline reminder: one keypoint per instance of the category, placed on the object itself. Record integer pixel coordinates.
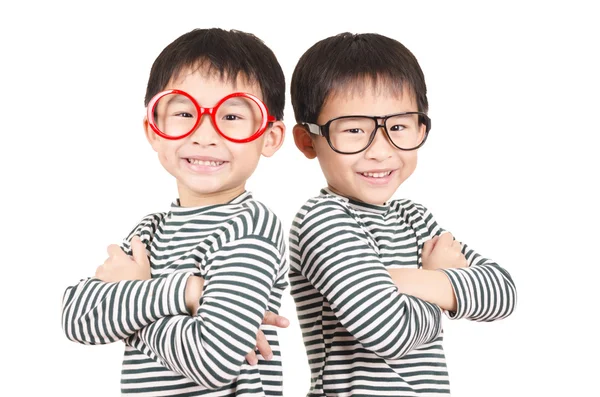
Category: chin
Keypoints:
(203, 189)
(375, 199)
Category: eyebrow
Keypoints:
(178, 99)
(235, 101)
(402, 115)
(399, 114)
(239, 102)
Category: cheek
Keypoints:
(167, 153)
(409, 160)
(243, 153)
(246, 157)
(336, 166)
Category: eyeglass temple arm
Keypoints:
(312, 128)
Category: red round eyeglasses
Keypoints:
(239, 117)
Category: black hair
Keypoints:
(349, 61)
(229, 54)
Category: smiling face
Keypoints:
(210, 169)
(373, 175)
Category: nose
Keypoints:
(381, 148)
(205, 134)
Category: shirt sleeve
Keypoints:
(210, 347)
(335, 256)
(97, 312)
(484, 290)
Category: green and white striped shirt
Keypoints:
(239, 249)
(362, 337)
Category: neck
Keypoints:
(193, 199)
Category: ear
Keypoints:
(273, 140)
(150, 135)
(304, 142)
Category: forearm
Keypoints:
(96, 312)
(209, 351)
(485, 292)
(210, 347)
(429, 285)
(366, 302)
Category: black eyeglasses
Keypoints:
(353, 134)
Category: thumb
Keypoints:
(114, 250)
(427, 248)
(138, 250)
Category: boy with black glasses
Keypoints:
(371, 277)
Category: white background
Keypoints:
(511, 167)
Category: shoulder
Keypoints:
(323, 216)
(409, 207)
(251, 230)
(256, 213)
(145, 228)
(257, 209)
(153, 218)
(265, 222)
(322, 205)
(251, 219)
(149, 223)
(418, 216)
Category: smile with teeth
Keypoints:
(376, 174)
(205, 162)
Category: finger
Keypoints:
(456, 249)
(251, 358)
(138, 249)
(103, 274)
(427, 248)
(262, 344)
(114, 250)
(271, 318)
(445, 239)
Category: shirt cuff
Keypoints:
(463, 301)
(173, 296)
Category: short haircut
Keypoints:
(350, 61)
(228, 54)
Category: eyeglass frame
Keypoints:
(266, 117)
(323, 130)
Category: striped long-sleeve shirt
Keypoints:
(363, 337)
(239, 249)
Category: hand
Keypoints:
(119, 266)
(193, 293)
(261, 341)
(442, 252)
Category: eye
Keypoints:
(231, 117)
(354, 130)
(397, 127)
(183, 114)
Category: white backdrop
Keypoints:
(511, 167)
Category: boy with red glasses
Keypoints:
(188, 288)
(370, 276)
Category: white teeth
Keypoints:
(376, 174)
(205, 162)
